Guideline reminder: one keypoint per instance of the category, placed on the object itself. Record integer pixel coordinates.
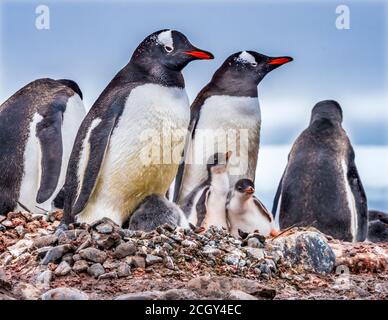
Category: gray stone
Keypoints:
(109, 264)
(20, 247)
(7, 223)
(109, 275)
(255, 253)
(20, 230)
(178, 294)
(68, 257)
(26, 291)
(80, 266)
(136, 261)
(76, 257)
(62, 269)
(211, 251)
(254, 243)
(151, 259)
(45, 241)
(104, 228)
(240, 295)
(56, 253)
(147, 295)
(96, 270)
(63, 293)
(308, 250)
(123, 270)
(232, 259)
(93, 254)
(169, 263)
(44, 278)
(124, 249)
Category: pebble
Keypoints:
(80, 266)
(63, 269)
(20, 247)
(2, 228)
(136, 261)
(105, 228)
(240, 295)
(255, 253)
(7, 223)
(63, 293)
(96, 270)
(93, 254)
(44, 278)
(56, 253)
(169, 263)
(123, 270)
(124, 249)
(109, 264)
(109, 275)
(232, 259)
(254, 243)
(45, 241)
(20, 230)
(76, 257)
(68, 257)
(151, 259)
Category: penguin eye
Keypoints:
(254, 64)
(168, 48)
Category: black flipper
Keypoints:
(195, 111)
(49, 133)
(201, 206)
(99, 142)
(277, 196)
(359, 196)
(262, 209)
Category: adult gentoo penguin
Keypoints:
(205, 205)
(320, 186)
(156, 210)
(226, 116)
(246, 212)
(38, 125)
(108, 174)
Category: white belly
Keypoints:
(226, 124)
(215, 210)
(72, 119)
(248, 219)
(143, 154)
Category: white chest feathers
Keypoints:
(226, 124)
(143, 153)
(246, 216)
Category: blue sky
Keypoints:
(89, 41)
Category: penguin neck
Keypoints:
(150, 72)
(227, 84)
(220, 182)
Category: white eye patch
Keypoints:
(246, 57)
(165, 39)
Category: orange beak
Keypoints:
(280, 60)
(249, 190)
(199, 54)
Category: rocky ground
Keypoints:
(104, 261)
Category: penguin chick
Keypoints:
(246, 212)
(205, 205)
(156, 210)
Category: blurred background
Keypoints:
(90, 41)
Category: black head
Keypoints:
(168, 48)
(245, 186)
(72, 85)
(218, 162)
(327, 109)
(242, 71)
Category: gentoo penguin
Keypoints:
(38, 125)
(245, 212)
(226, 116)
(114, 163)
(156, 210)
(377, 226)
(205, 205)
(320, 186)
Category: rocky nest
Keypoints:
(104, 261)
